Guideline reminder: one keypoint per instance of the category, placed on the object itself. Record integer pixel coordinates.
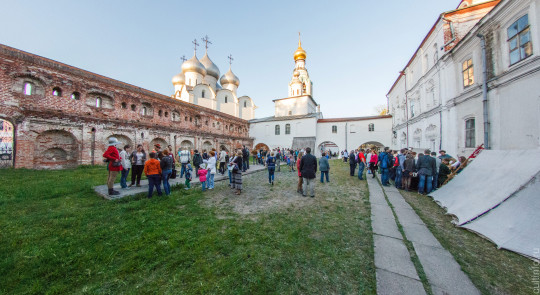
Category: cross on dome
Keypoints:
(206, 41)
(183, 58)
(195, 44)
(230, 59)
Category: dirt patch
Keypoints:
(258, 195)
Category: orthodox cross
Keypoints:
(206, 41)
(183, 58)
(230, 59)
(195, 44)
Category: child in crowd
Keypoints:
(202, 176)
(152, 170)
(187, 183)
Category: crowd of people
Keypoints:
(407, 170)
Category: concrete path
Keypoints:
(103, 191)
(444, 274)
(395, 271)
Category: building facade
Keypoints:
(298, 122)
(437, 102)
(62, 116)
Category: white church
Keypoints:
(198, 84)
(299, 123)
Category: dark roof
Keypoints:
(284, 118)
(353, 119)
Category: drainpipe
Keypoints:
(346, 132)
(452, 32)
(406, 106)
(485, 91)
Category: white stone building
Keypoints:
(198, 84)
(437, 100)
(298, 121)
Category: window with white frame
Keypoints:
(203, 93)
(470, 133)
(468, 73)
(519, 40)
(277, 130)
(334, 129)
(287, 128)
(371, 127)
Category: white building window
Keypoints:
(519, 40)
(226, 98)
(277, 129)
(468, 73)
(371, 127)
(245, 104)
(470, 136)
(334, 129)
(287, 128)
(28, 87)
(203, 93)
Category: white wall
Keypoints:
(264, 132)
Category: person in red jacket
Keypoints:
(112, 156)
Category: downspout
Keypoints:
(346, 133)
(485, 91)
(406, 107)
(440, 102)
(452, 32)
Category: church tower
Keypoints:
(300, 83)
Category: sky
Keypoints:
(355, 49)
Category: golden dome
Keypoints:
(300, 53)
(229, 78)
(193, 65)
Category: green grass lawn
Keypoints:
(493, 271)
(57, 236)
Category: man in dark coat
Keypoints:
(426, 168)
(197, 161)
(245, 159)
(385, 162)
(308, 168)
(352, 162)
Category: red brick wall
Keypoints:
(42, 113)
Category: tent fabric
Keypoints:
(498, 197)
(486, 182)
(515, 224)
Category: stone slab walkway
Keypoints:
(103, 191)
(444, 274)
(395, 271)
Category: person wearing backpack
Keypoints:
(385, 162)
(271, 165)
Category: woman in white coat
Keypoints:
(211, 165)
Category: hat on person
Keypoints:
(157, 145)
(113, 141)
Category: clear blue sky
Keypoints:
(355, 49)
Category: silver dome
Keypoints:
(211, 68)
(229, 78)
(179, 79)
(193, 65)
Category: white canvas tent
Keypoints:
(498, 197)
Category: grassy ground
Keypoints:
(493, 271)
(57, 236)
